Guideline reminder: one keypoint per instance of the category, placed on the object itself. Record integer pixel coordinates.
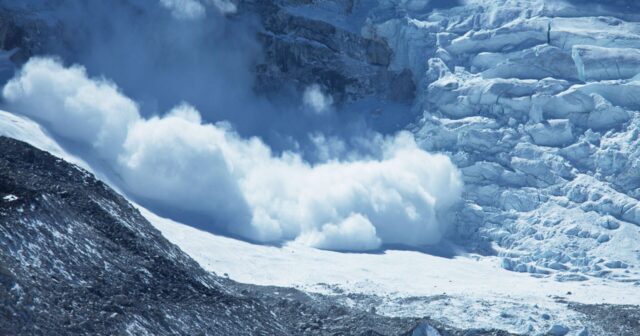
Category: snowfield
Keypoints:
(467, 291)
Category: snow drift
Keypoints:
(401, 196)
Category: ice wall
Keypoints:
(537, 102)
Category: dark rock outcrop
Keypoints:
(296, 51)
(300, 51)
(77, 259)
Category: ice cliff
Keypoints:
(536, 101)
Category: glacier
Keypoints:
(536, 102)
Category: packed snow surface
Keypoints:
(469, 291)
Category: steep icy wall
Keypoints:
(536, 102)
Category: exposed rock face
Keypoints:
(78, 258)
(22, 40)
(302, 51)
(297, 51)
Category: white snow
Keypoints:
(598, 63)
(536, 101)
(479, 290)
(196, 9)
(317, 100)
(185, 9)
(23, 129)
(10, 198)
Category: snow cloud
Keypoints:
(95, 112)
(164, 52)
(194, 9)
(185, 9)
(318, 101)
(224, 6)
(401, 195)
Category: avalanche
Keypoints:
(402, 196)
(531, 106)
(537, 103)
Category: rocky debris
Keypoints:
(429, 327)
(78, 258)
(327, 315)
(609, 320)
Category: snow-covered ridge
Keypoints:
(24, 129)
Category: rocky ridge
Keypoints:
(77, 258)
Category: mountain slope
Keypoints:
(77, 258)
(540, 116)
(536, 101)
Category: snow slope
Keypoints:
(466, 291)
(537, 102)
(23, 129)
